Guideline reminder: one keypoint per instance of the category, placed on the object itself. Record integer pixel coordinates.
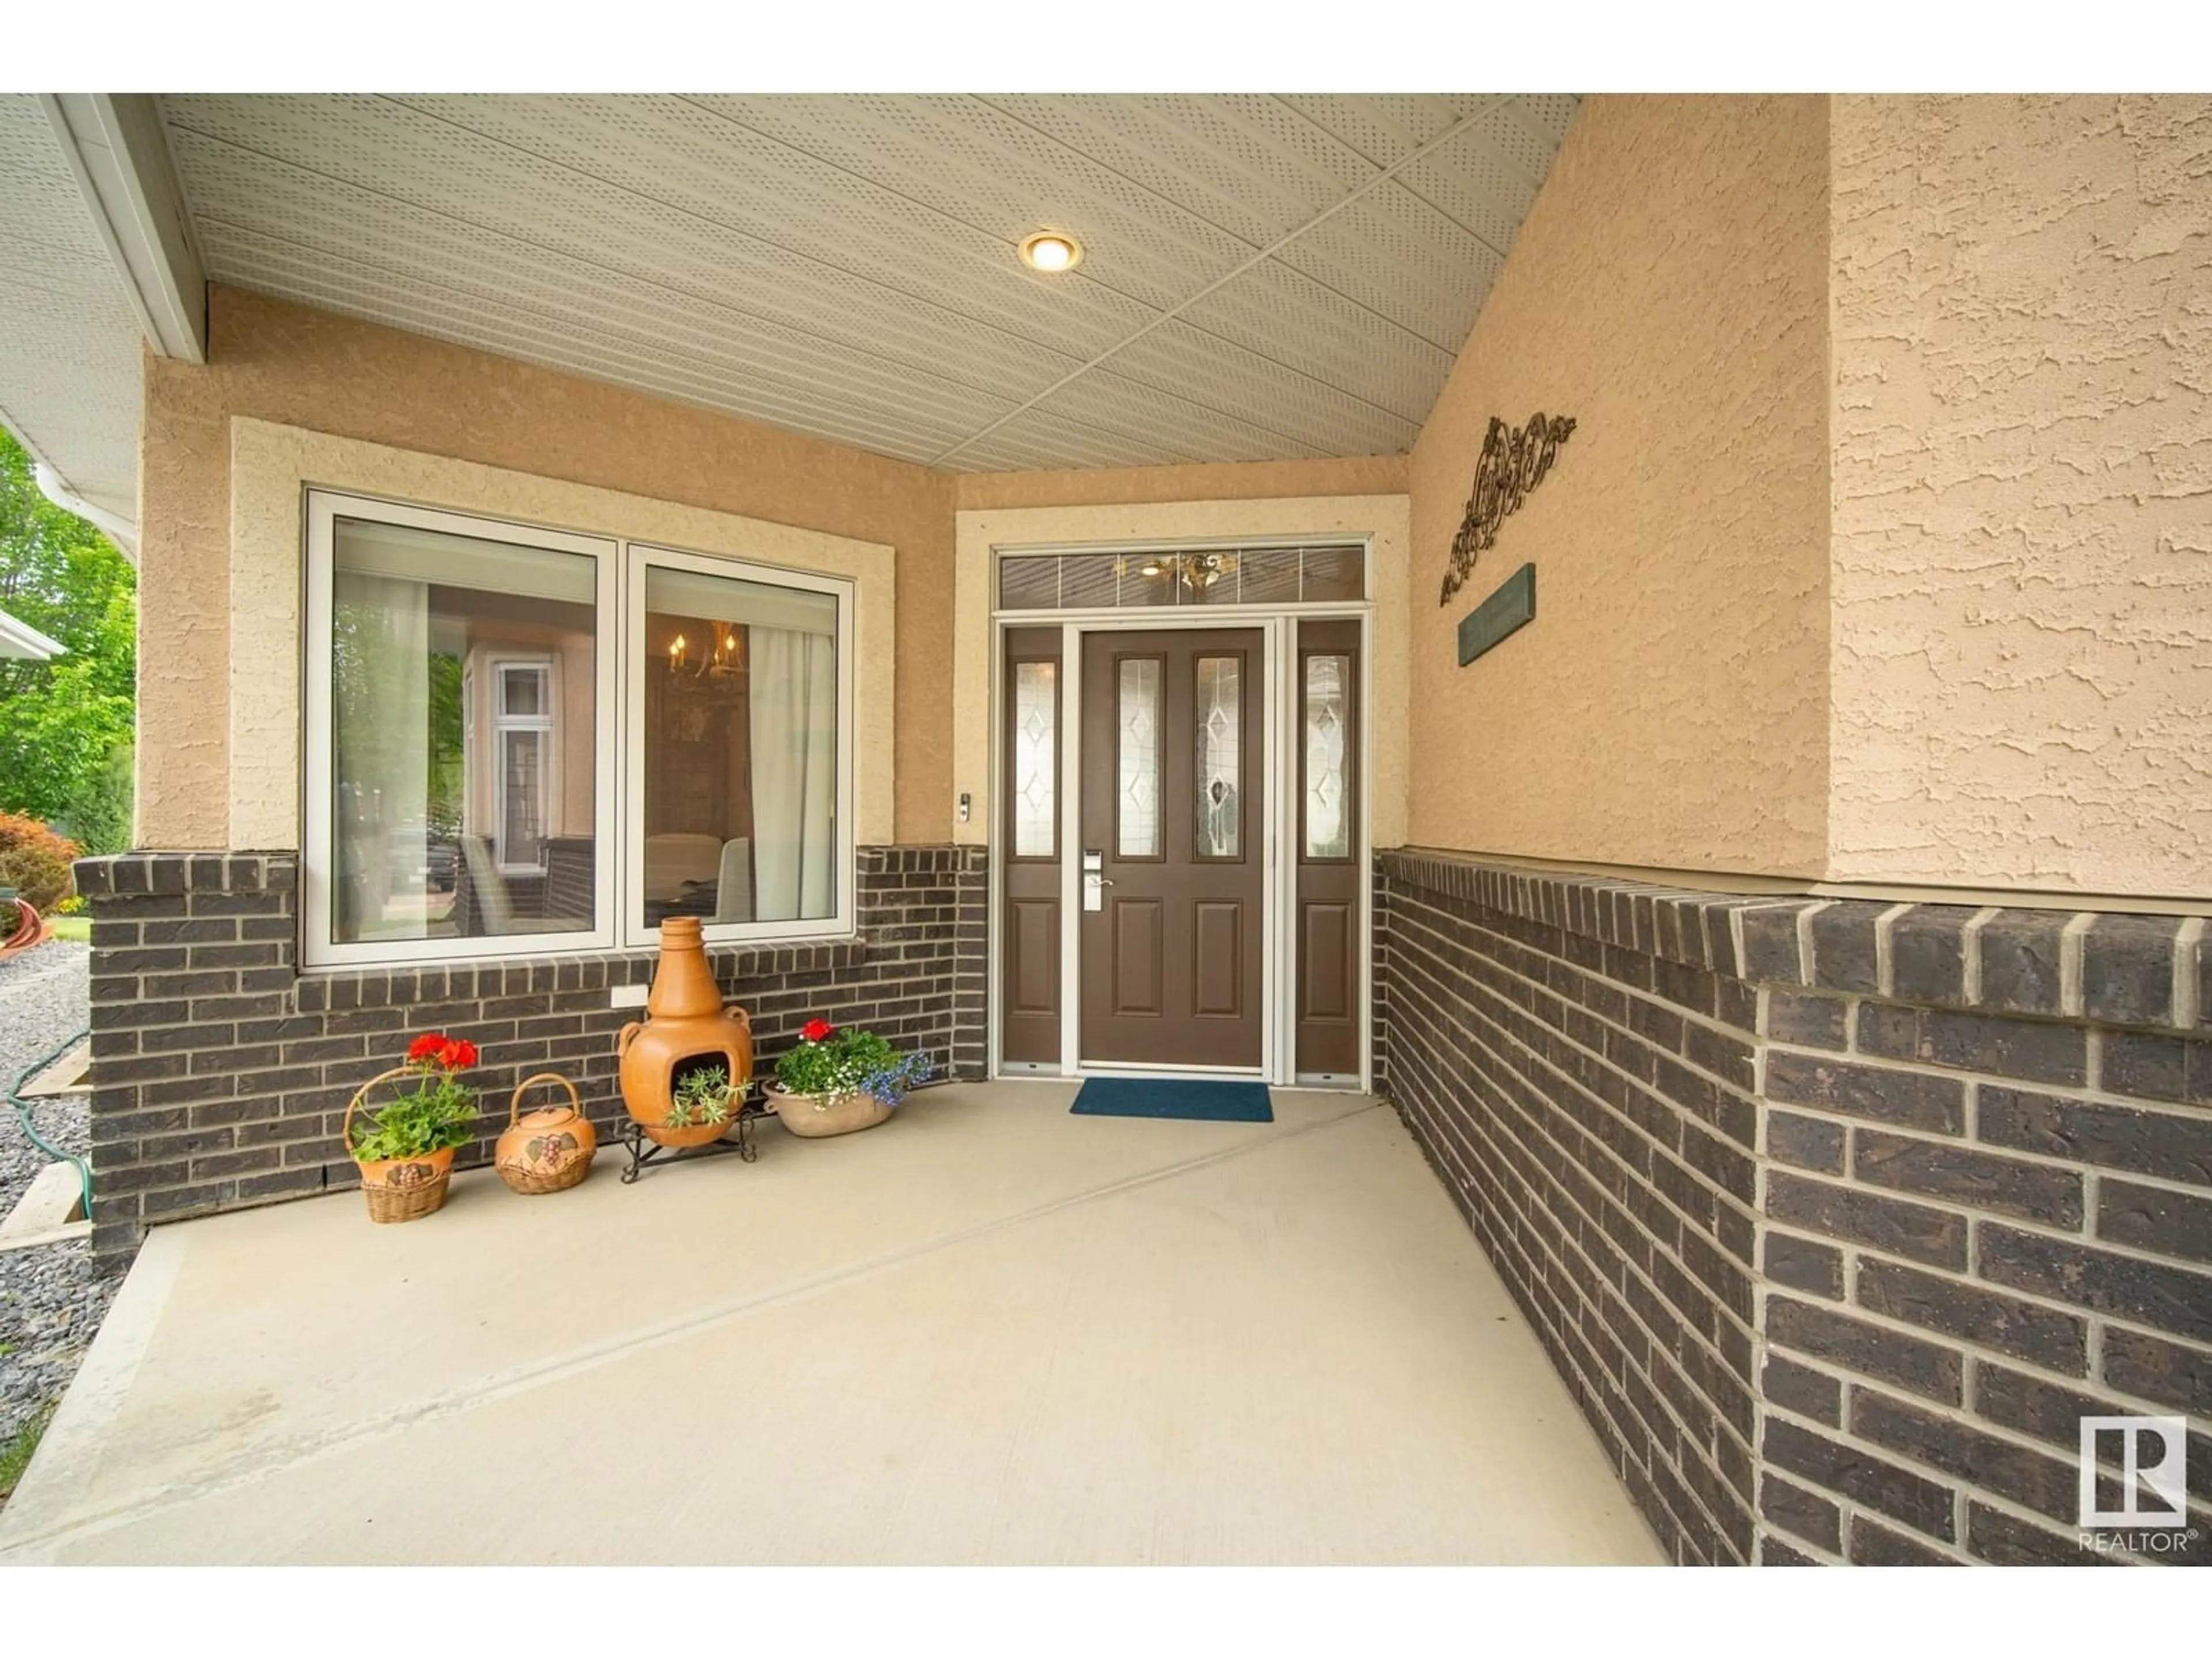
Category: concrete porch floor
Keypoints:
(986, 1332)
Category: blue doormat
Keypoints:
(1175, 1097)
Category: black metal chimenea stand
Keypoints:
(739, 1139)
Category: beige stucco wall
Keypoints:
(273, 466)
(1668, 707)
(2022, 572)
(287, 365)
(1380, 520)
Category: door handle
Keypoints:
(1104, 881)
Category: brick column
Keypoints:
(1988, 1209)
(193, 967)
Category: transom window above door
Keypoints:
(521, 740)
(1122, 579)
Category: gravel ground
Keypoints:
(51, 1305)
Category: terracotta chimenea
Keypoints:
(687, 1029)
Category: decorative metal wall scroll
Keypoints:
(1514, 461)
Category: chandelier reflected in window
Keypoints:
(723, 659)
(1196, 571)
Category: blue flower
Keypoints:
(891, 1084)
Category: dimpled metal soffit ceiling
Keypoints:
(1263, 277)
(70, 342)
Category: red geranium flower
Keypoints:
(426, 1047)
(457, 1056)
(817, 1030)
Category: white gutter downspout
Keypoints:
(56, 488)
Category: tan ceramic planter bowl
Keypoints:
(810, 1115)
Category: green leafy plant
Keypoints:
(35, 861)
(702, 1096)
(438, 1113)
(831, 1060)
(16, 1451)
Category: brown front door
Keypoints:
(1173, 780)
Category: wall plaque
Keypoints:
(1512, 604)
(1513, 462)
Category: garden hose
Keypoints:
(23, 1115)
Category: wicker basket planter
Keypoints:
(407, 1188)
(812, 1115)
(549, 1150)
(419, 1132)
(399, 1189)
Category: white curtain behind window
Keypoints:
(381, 694)
(794, 742)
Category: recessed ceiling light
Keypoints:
(1051, 251)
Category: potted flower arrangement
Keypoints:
(406, 1148)
(838, 1080)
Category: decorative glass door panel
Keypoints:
(1036, 759)
(1326, 693)
(1219, 705)
(1327, 784)
(1137, 757)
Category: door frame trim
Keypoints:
(1279, 1027)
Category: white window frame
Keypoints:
(546, 724)
(318, 854)
(618, 747)
(642, 556)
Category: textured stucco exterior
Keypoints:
(1879, 556)
(1380, 520)
(1668, 707)
(2022, 577)
(291, 366)
(284, 366)
(272, 467)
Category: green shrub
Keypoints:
(35, 861)
(99, 813)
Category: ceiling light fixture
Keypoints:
(1051, 251)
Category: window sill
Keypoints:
(379, 985)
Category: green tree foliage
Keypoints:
(65, 725)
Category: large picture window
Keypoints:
(521, 740)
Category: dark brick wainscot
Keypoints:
(1836, 1216)
(220, 1073)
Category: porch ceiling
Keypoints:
(1264, 278)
